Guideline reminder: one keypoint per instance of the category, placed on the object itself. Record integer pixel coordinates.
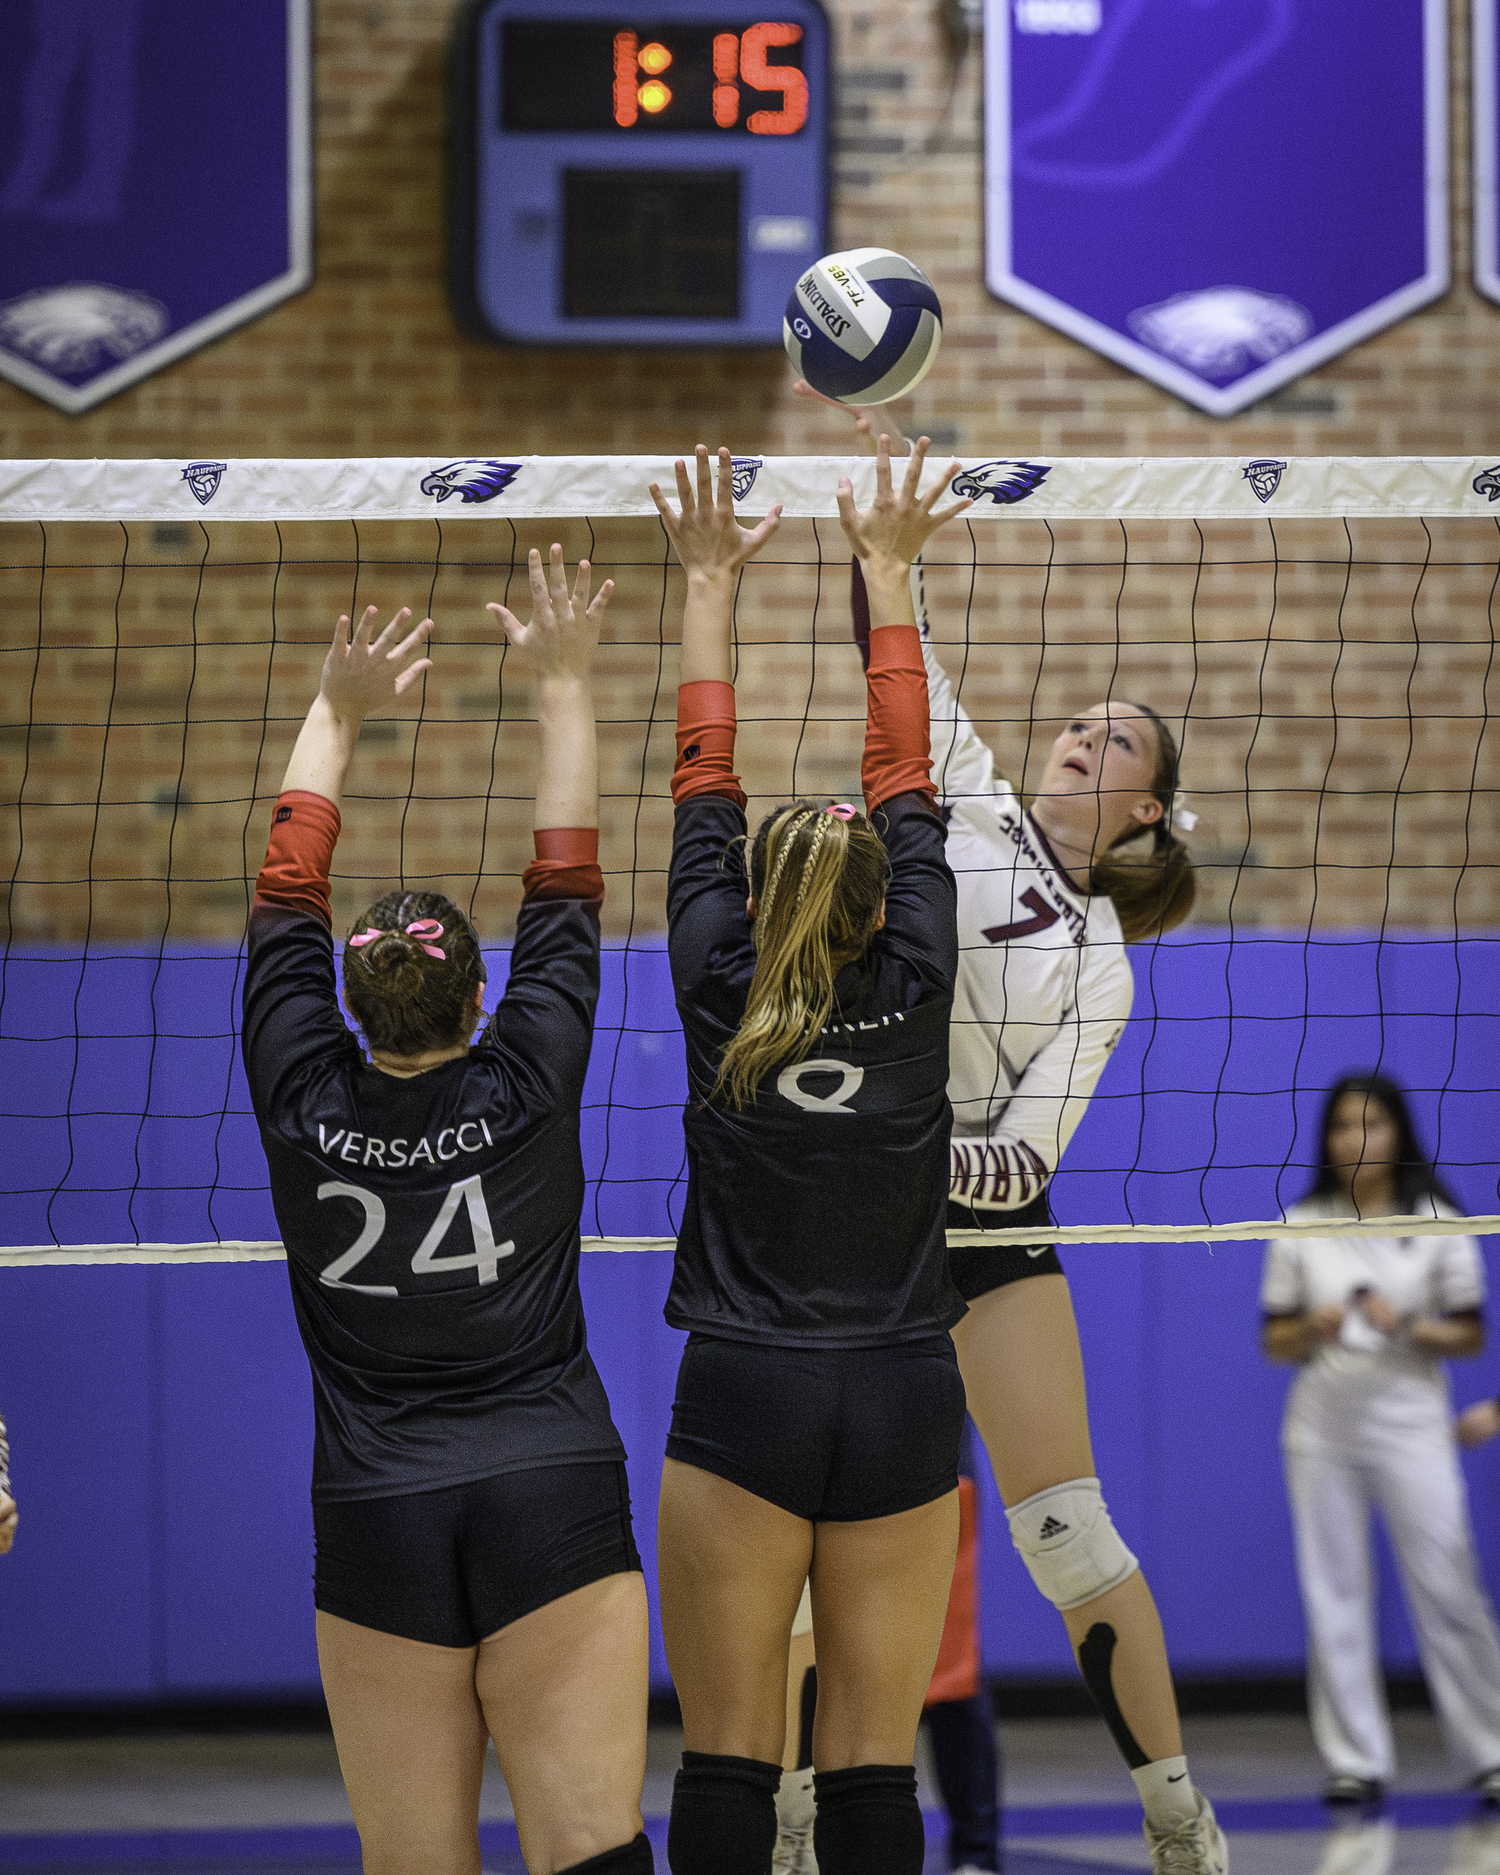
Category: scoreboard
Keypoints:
(636, 179)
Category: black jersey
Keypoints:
(817, 1213)
(430, 1223)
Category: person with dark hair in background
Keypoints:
(1370, 1320)
(476, 1576)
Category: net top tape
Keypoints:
(231, 1251)
(513, 488)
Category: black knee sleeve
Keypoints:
(723, 1816)
(869, 1822)
(1094, 1658)
(631, 1858)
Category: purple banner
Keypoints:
(1218, 194)
(1486, 141)
(155, 183)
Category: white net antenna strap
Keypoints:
(1250, 1232)
(519, 487)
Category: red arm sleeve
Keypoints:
(304, 830)
(705, 743)
(898, 753)
(566, 865)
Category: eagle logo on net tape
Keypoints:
(474, 478)
(1264, 477)
(1487, 483)
(1002, 482)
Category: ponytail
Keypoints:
(1152, 886)
(819, 882)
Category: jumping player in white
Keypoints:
(1370, 1320)
(476, 1576)
(818, 1412)
(1048, 897)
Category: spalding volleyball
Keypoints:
(863, 326)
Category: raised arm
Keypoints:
(558, 646)
(712, 547)
(359, 675)
(887, 538)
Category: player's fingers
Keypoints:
(381, 646)
(726, 482)
(601, 599)
(684, 488)
(914, 464)
(664, 508)
(758, 536)
(537, 576)
(581, 585)
(514, 630)
(362, 630)
(557, 575)
(848, 513)
(410, 675)
(340, 636)
(940, 517)
(418, 635)
(882, 466)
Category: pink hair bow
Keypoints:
(427, 928)
(842, 812)
(423, 928)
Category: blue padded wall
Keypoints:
(161, 1418)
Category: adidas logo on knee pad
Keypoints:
(1051, 1528)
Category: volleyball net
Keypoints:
(1321, 634)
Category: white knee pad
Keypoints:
(1068, 1543)
(802, 1621)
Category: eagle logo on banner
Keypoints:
(1487, 483)
(114, 260)
(1203, 193)
(473, 479)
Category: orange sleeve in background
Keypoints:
(304, 831)
(566, 865)
(898, 756)
(705, 743)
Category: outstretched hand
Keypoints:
(864, 418)
(563, 633)
(890, 534)
(363, 672)
(705, 535)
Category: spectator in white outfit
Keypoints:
(1370, 1321)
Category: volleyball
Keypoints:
(863, 326)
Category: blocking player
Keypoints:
(476, 1573)
(818, 1411)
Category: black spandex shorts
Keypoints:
(991, 1266)
(456, 1565)
(836, 1435)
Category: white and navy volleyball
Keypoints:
(863, 326)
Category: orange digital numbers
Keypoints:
(760, 75)
(726, 70)
(627, 95)
(737, 58)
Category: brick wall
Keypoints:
(1334, 685)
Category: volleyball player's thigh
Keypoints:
(411, 1739)
(1023, 1374)
(880, 1596)
(564, 1691)
(730, 1567)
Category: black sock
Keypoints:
(723, 1816)
(868, 1821)
(809, 1703)
(631, 1858)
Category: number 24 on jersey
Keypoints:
(468, 1192)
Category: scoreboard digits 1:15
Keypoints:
(595, 75)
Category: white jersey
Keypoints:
(1367, 1391)
(1044, 984)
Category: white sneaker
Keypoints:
(796, 1812)
(1196, 1847)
